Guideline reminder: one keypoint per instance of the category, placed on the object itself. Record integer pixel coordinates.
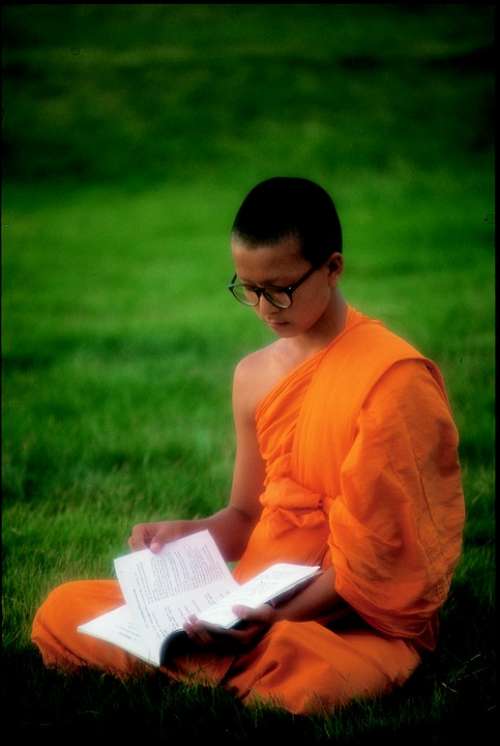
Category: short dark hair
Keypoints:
(286, 206)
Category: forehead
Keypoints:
(269, 263)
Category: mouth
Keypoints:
(275, 322)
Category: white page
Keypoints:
(270, 583)
(163, 589)
(167, 616)
(118, 627)
(157, 606)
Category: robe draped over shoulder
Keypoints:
(362, 472)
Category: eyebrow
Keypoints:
(267, 281)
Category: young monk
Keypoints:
(346, 457)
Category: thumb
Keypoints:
(243, 612)
(157, 541)
(260, 614)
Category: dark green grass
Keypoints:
(131, 147)
(131, 93)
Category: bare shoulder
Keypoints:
(254, 376)
(256, 361)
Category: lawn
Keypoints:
(132, 133)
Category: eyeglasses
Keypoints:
(280, 297)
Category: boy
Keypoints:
(346, 457)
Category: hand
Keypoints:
(211, 637)
(154, 535)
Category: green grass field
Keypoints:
(132, 134)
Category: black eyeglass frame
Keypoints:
(289, 290)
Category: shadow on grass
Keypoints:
(451, 695)
(89, 703)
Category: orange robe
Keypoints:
(362, 473)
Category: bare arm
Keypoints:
(231, 526)
(318, 602)
(318, 599)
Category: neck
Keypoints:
(328, 327)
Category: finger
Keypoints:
(159, 538)
(197, 634)
(199, 639)
(157, 541)
(194, 627)
(209, 635)
(237, 640)
(234, 636)
(243, 612)
(189, 623)
(264, 613)
(137, 538)
(248, 629)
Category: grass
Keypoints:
(119, 338)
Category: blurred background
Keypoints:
(131, 135)
(170, 93)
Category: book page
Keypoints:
(189, 576)
(118, 627)
(269, 584)
(163, 589)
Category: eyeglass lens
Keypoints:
(250, 297)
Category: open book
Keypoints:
(188, 576)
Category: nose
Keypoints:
(266, 308)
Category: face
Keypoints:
(282, 264)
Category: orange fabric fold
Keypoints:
(364, 476)
(396, 525)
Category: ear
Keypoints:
(335, 267)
